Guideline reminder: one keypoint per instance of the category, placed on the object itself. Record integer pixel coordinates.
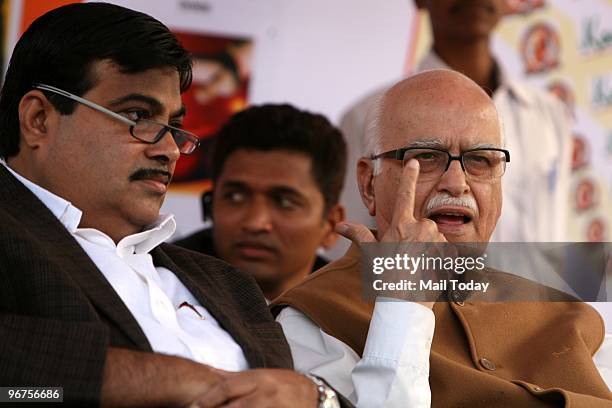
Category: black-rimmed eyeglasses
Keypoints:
(481, 164)
(145, 130)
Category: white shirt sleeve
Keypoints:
(394, 370)
(603, 357)
(603, 360)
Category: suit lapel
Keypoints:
(65, 251)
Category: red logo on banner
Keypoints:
(581, 152)
(596, 230)
(586, 195)
(523, 6)
(540, 48)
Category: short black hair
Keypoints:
(60, 47)
(284, 127)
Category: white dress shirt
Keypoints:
(153, 295)
(394, 370)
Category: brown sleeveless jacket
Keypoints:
(519, 354)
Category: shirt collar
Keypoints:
(64, 211)
(433, 61)
(70, 217)
(153, 235)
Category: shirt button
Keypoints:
(488, 364)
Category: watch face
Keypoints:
(331, 399)
(329, 403)
(327, 396)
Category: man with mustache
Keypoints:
(91, 299)
(432, 174)
(537, 186)
(277, 174)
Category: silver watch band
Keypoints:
(327, 396)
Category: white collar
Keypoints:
(64, 211)
(433, 61)
(70, 217)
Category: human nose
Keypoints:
(165, 150)
(258, 217)
(454, 180)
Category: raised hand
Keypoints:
(404, 227)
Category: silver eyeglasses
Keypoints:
(480, 164)
(145, 130)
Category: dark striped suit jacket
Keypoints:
(58, 314)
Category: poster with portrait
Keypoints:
(221, 72)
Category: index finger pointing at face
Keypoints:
(404, 203)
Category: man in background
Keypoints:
(536, 187)
(277, 174)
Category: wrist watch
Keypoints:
(327, 396)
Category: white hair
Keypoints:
(372, 135)
(502, 129)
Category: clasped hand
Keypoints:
(259, 388)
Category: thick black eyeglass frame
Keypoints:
(398, 154)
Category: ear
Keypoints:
(207, 205)
(335, 215)
(365, 181)
(34, 109)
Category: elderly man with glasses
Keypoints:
(432, 174)
(92, 302)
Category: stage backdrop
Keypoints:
(322, 55)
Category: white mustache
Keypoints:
(447, 200)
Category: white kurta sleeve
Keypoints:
(603, 360)
(394, 370)
(603, 356)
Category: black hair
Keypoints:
(60, 47)
(284, 127)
